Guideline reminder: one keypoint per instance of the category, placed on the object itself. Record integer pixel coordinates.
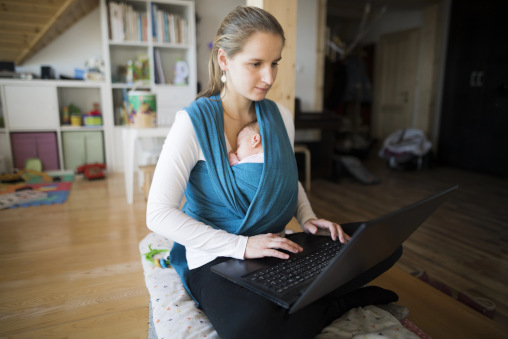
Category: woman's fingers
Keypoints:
(284, 243)
(267, 245)
(337, 232)
(276, 254)
(334, 230)
(343, 236)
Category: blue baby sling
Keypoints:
(245, 199)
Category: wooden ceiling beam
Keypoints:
(32, 10)
(13, 43)
(28, 19)
(20, 28)
(53, 4)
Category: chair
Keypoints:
(147, 178)
(305, 150)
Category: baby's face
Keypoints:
(244, 144)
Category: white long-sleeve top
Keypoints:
(179, 155)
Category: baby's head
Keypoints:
(249, 140)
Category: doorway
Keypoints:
(395, 84)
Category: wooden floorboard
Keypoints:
(74, 269)
(463, 244)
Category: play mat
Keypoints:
(53, 188)
(173, 314)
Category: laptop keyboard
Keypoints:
(295, 271)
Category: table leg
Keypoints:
(129, 144)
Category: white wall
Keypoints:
(306, 47)
(210, 14)
(70, 50)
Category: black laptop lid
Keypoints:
(374, 241)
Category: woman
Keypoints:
(230, 214)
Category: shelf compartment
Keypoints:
(170, 23)
(165, 60)
(42, 145)
(129, 63)
(82, 147)
(82, 98)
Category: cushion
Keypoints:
(175, 315)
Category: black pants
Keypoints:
(236, 312)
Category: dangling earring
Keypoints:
(223, 77)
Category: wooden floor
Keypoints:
(73, 270)
(463, 244)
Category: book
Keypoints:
(159, 73)
(125, 23)
(168, 27)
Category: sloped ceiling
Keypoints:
(27, 26)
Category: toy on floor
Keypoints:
(34, 164)
(92, 171)
(161, 263)
(31, 173)
(24, 175)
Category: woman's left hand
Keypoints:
(334, 230)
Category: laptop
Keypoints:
(372, 242)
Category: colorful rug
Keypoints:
(34, 193)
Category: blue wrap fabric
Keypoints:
(245, 199)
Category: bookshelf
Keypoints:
(129, 61)
(143, 42)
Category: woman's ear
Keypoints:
(222, 59)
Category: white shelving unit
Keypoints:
(117, 53)
(121, 51)
(37, 105)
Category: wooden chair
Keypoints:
(305, 150)
(147, 178)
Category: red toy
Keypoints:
(92, 171)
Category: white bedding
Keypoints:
(175, 314)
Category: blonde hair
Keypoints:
(238, 26)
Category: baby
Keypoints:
(250, 148)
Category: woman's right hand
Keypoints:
(266, 245)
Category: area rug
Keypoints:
(482, 305)
(36, 194)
